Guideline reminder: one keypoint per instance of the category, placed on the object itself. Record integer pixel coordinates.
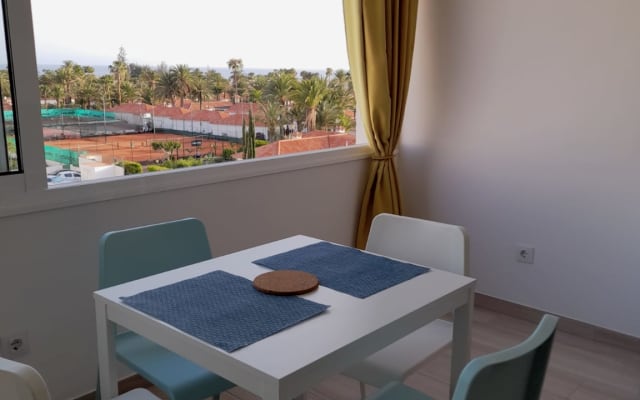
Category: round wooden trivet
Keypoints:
(286, 282)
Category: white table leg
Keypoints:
(461, 346)
(106, 354)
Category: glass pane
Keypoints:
(9, 154)
(159, 87)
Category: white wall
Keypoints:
(49, 259)
(523, 125)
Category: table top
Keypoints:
(285, 364)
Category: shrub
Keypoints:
(154, 168)
(131, 167)
(227, 154)
(182, 163)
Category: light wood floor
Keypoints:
(579, 369)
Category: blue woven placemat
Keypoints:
(345, 269)
(223, 309)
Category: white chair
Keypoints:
(418, 241)
(19, 381)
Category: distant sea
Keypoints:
(101, 70)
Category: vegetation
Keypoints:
(131, 167)
(182, 163)
(307, 100)
(227, 154)
(249, 138)
(154, 168)
(12, 153)
(168, 147)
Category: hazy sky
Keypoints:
(303, 34)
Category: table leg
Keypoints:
(106, 354)
(461, 346)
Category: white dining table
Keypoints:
(290, 362)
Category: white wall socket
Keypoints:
(525, 253)
(15, 345)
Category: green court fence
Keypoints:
(63, 156)
(67, 112)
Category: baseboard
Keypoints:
(124, 385)
(568, 325)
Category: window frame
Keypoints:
(29, 192)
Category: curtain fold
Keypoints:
(380, 40)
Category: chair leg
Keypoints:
(363, 391)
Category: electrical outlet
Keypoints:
(524, 254)
(16, 345)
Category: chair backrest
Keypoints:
(134, 253)
(420, 241)
(516, 373)
(21, 382)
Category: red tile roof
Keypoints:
(316, 140)
(233, 114)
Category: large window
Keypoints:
(136, 87)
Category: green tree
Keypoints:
(249, 138)
(146, 83)
(68, 76)
(235, 66)
(167, 88)
(272, 111)
(119, 69)
(200, 88)
(216, 83)
(182, 81)
(309, 93)
(168, 147)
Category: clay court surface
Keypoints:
(137, 146)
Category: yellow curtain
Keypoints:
(380, 38)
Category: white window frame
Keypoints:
(29, 192)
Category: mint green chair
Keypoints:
(130, 254)
(516, 373)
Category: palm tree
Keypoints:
(281, 86)
(167, 88)
(216, 83)
(200, 87)
(46, 83)
(183, 81)
(272, 111)
(309, 93)
(119, 69)
(58, 93)
(88, 91)
(69, 75)
(146, 84)
(106, 86)
(235, 65)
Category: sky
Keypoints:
(300, 34)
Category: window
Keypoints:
(148, 87)
(43, 35)
(9, 145)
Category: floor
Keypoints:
(579, 369)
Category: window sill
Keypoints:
(136, 185)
